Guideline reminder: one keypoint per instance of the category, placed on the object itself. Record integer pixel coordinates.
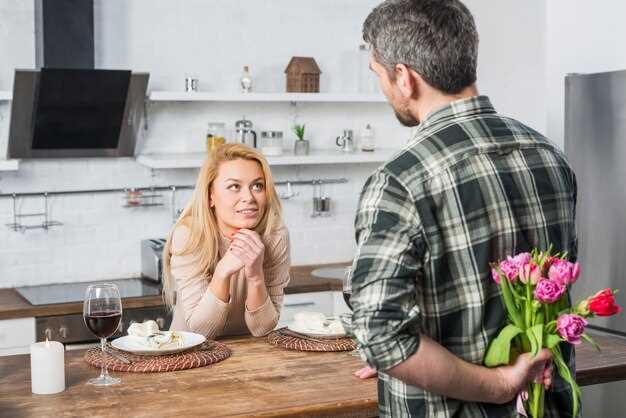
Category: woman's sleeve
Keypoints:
(276, 271)
(204, 312)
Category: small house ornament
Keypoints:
(303, 75)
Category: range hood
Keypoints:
(66, 108)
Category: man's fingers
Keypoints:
(365, 373)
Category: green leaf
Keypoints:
(499, 350)
(535, 335)
(552, 340)
(591, 341)
(565, 373)
(509, 303)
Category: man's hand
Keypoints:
(526, 369)
(365, 373)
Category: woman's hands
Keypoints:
(248, 248)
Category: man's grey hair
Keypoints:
(436, 38)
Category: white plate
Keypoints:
(314, 332)
(131, 345)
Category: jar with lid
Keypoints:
(272, 143)
(215, 135)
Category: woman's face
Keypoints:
(238, 195)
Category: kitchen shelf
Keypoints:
(176, 96)
(9, 165)
(316, 157)
(6, 95)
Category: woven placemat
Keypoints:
(301, 344)
(208, 353)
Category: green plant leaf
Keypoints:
(499, 350)
(535, 335)
(591, 341)
(552, 340)
(565, 373)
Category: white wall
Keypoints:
(581, 37)
(584, 37)
(213, 40)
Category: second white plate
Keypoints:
(315, 332)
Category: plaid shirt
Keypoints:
(470, 188)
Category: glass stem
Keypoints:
(104, 373)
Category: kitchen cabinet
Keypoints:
(16, 335)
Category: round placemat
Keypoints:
(208, 353)
(301, 344)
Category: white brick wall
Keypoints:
(213, 40)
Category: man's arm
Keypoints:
(436, 370)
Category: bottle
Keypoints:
(246, 80)
(367, 139)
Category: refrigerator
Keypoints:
(595, 145)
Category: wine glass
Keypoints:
(347, 286)
(102, 311)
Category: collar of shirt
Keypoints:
(456, 109)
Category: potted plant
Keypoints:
(301, 146)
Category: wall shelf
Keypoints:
(9, 165)
(6, 95)
(175, 96)
(316, 157)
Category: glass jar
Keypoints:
(215, 135)
(367, 139)
(272, 143)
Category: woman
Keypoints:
(227, 258)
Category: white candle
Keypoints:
(47, 367)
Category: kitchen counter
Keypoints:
(257, 380)
(13, 305)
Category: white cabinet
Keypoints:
(16, 335)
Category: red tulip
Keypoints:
(603, 303)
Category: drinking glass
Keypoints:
(102, 311)
(347, 286)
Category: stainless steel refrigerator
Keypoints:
(595, 144)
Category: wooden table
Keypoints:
(258, 380)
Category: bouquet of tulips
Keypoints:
(534, 291)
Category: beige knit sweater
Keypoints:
(199, 310)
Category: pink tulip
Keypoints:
(495, 276)
(509, 269)
(530, 272)
(564, 272)
(549, 291)
(571, 327)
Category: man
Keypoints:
(470, 188)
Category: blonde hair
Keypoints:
(201, 219)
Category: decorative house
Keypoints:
(303, 75)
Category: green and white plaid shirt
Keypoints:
(470, 188)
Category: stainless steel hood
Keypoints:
(70, 113)
(66, 108)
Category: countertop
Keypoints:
(258, 380)
(13, 305)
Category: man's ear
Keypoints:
(406, 80)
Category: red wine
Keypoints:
(346, 297)
(103, 323)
